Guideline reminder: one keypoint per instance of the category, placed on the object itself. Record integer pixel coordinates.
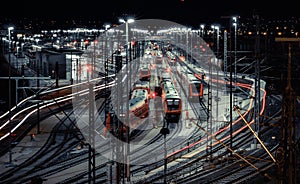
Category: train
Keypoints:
(142, 84)
(192, 86)
(199, 73)
(164, 76)
(139, 100)
(56, 93)
(159, 57)
(172, 58)
(171, 101)
(145, 72)
(138, 109)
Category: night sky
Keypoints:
(186, 12)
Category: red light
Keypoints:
(153, 95)
(88, 68)
(13, 135)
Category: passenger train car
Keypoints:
(145, 72)
(140, 84)
(139, 102)
(192, 86)
(172, 58)
(164, 76)
(159, 57)
(171, 101)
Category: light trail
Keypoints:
(48, 103)
(236, 121)
(236, 108)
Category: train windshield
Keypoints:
(196, 88)
(144, 71)
(173, 104)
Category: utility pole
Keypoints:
(230, 80)
(9, 103)
(164, 131)
(257, 80)
(287, 151)
(92, 154)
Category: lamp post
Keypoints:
(106, 26)
(9, 36)
(164, 131)
(202, 30)
(234, 23)
(217, 28)
(9, 89)
(127, 21)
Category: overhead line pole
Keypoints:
(287, 150)
(230, 82)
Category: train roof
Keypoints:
(141, 85)
(165, 76)
(170, 90)
(139, 93)
(138, 98)
(192, 78)
(144, 66)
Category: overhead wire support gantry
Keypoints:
(287, 150)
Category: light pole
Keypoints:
(127, 21)
(213, 37)
(217, 28)
(9, 36)
(234, 23)
(106, 26)
(202, 30)
(9, 90)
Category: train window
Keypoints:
(196, 88)
(170, 102)
(174, 103)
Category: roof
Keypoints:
(170, 90)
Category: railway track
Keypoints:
(180, 169)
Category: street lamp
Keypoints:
(234, 23)
(106, 26)
(202, 30)
(217, 28)
(9, 88)
(213, 35)
(127, 21)
(9, 36)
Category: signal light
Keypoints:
(13, 135)
(88, 68)
(153, 95)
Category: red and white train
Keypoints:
(192, 86)
(171, 101)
